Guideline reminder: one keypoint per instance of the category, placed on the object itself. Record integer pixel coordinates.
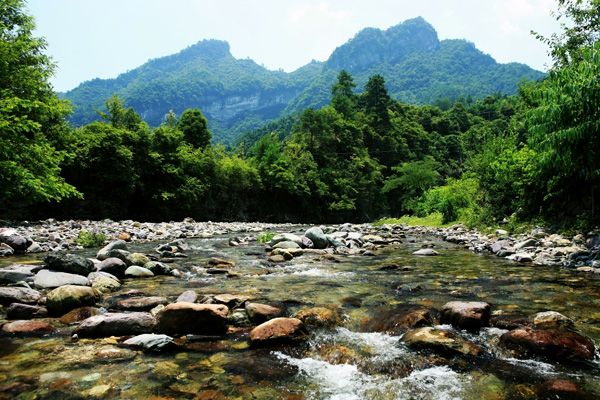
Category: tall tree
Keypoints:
(32, 118)
(343, 98)
(194, 126)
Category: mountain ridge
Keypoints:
(238, 95)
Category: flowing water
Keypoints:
(347, 362)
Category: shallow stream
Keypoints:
(347, 362)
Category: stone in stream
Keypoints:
(6, 250)
(186, 318)
(286, 245)
(104, 282)
(278, 330)
(158, 268)
(499, 245)
(79, 314)
(276, 259)
(11, 238)
(138, 259)
(555, 345)
(116, 324)
(9, 295)
(285, 237)
(399, 319)
(150, 342)
(239, 317)
(70, 263)
(103, 253)
(317, 237)
(440, 341)
(46, 279)
(25, 311)
(230, 300)
(65, 298)
(221, 263)
(469, 315)
(34, 328)
(136, 271)
(520, 257)
(319, 317)
(552, 320)
(426, 252)
(141, 303)
(259, 313)
(17, 273)
(112, 265)
(189, 296)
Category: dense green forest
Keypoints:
(362, 156)
(238, 95)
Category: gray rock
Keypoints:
(317, 237)
(158, 268)
(9, 295)
(113, 266)
(11, 238)
(426, 252)
(189, 296)
(335, 241)
(104, 282)
(6, 250)
(46, 279)
(114, 245)
(521, 257)
(65, 298)
(116, 324)
(552, 320)
(141, 303)
(138, 272)
(531, 242)
(25, 311)
(499, 245)
(70, 263)
(35, 248)
(286, 245)
(286, 237)
(150, 341)
(17, 273)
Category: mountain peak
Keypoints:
(209, 49)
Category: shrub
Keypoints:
(454, 200)
(88, 239)
(265, 237)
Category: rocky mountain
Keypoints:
(238, 95)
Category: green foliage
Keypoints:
(32, 118)
(88, 239)
(194, 127)
(409, 181)
(434, 220)
(265, 237)
(455, 201)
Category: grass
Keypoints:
(90, 239)
(265, 237)
(433, 220)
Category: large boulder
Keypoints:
(550, 344)
(112, 265)
(318, 317)
(137, 259)
(259, 313)
(103, 253)
(317, 237)
(25, 311)
(65, 298)
(285, 237)
(286, 245)
(278, 330)
(116, 324)
(34, 328)
(141, 303)
(9, 295)
(440, 341)
(79, 314)
(399, 319)
(47, 279)
(136, 271)
(468, 315)
(104, 282)
(204, 319)
(71, 263)
(17, 273)
(11, 238)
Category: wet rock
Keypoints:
(11, 238)
(34, 328)
(78, 315)
(141, 303)
(70, 263)
(221, 263)
(125, 236)
(116, 324)
(158, 268)
(65, 298)
(151, 342)
(286, 245)
(230, 300)
(136, 271)
(285, 253)
(9, 295)
(113, 266)
(531, 242)
(17, 273)
(285, 237)
(561, 389)
(104, 282)
(259, 313)
(278, 330)
(47, 279)
(426, 252)
(550, 344)
(521, 257)
(319, 317)
(239, 317)
(399, 319)
(509, 322)
(189, 296)
(6, 250)
(552, 320)
(185, 318)
(317, 237)
(138, 259)
(277, 259)
(499, 245)
(25, 311)
(440, 341)
(104, 252)
(470, 316)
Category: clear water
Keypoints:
(339, 363)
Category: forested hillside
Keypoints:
(238, 96)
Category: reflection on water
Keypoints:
(337, 363)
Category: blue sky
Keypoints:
(91, 38)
